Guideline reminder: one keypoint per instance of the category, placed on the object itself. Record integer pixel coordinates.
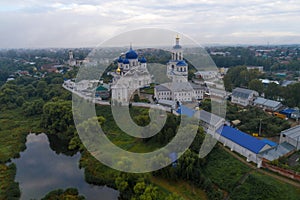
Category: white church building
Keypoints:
(180, 89)
(131, 74)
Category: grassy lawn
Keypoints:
(121, 139)
(149, 90)
(224, 170)
(259, 186)
(181, 188)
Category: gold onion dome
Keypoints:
(118, 70)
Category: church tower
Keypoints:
(72, 61)
(177, 68)
(71, 55)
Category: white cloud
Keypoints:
(47, 23)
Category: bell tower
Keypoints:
(177, 68)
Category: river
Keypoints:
(41, 170)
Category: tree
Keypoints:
(41, 88)
(151, 193)
(239, 76)
(70, 193)
(291, 95)
(33, 108)
(139, 188)
(121, 183)
(58, 118)
(136, 98)
(256, 85)
(272, 91)
(233, 77)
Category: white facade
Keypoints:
(243, 97)
(179, 89)
(210, 122)
(259, 68)
(250, 156)
(291, 136)
(131, 74)
(83, 84)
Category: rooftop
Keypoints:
(293, 132)
(243, 139)
(167, 102)
(242, 92)
(183, 110)
(203, 115)
(260, 100)
(161, 88)
(178, 87)
(277, 151)
(288, 111)
(267, 102)
(209, 118)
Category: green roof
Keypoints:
(101, 88)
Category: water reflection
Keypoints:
(40, 170)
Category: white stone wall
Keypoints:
(240, 101)
(198, 94)
(183, 96)
(250, 156)
(165, 95)
(120, 94)
(290, 140)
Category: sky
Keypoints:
(87, 23)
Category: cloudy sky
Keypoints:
(86, 23)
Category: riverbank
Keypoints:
(13, 132)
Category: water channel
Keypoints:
(41, 170)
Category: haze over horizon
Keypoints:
(78, 23)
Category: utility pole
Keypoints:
(259, 132)
(297, 117)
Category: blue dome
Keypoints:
(143, 60)
(131, 54)
(181, 63)
(177, 46)
(120, 60)
(126, 61)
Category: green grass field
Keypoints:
(181, 188)
(224, 170)
(259, 186)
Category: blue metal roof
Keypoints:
(287, 111)
(181, 63)
(243, 139)
(183, 110)
(269, 142)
